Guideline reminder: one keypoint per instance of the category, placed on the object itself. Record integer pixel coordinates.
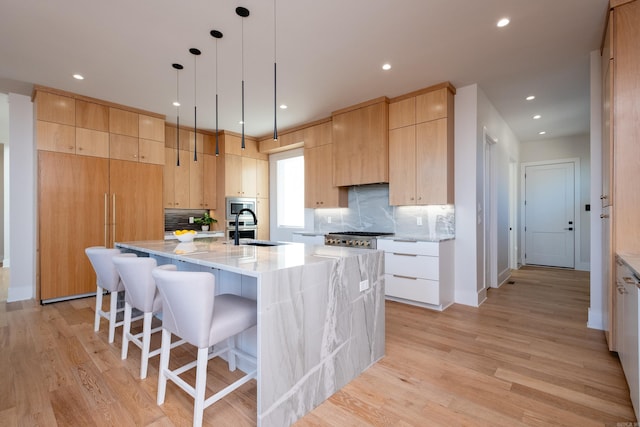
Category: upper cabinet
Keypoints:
(361, 143)
(319, 191)
(421, 147)
(240, 169)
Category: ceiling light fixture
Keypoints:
(78, 77)
(386, 67)
(536, 117)
(275, 79)
(530, 98)
(503, 22)
(217, 35)
(177, 67)
(242, 12)
(195, 53)
(542, 133)
(283, 107)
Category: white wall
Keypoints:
(576, 146)
(597, 310)
(22, 199)
(473, 113)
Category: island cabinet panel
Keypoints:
(92, 143)
(73, 205)
(361, 144)
(123, 122)
(55, 137)
(136, 201)
(52, 107)
(421, 148)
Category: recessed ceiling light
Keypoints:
(284, 107)
(503, 22)
(240, 122)
(386, 67)
(536, 117)
(542, 133)
(78, 77)
(176, 104)
(530, 98)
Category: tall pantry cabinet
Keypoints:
(99, 181)
(621, 151)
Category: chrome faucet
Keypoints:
(236, 238)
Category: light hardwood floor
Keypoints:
(525, 357)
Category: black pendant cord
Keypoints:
(275, 76)
(217, 35)
(195, 53)
(243, 13)
(275, 104)
(177, 67)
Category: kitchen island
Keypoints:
(320, 314)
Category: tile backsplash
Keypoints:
(369, 210)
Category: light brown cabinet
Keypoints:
(361, 143)
(621, 152)
(262, 208)
(209, 193)
(85, 197)
(421, 147)
(319, 191)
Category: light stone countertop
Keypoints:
(632, 260)
(243, 259)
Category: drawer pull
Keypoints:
(405, 277)
(399, 254)
(629, 280)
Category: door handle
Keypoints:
(570, 228)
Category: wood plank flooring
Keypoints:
(525, 357)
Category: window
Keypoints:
(290, 192)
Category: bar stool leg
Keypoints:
(231, 355)
(146, 343)
(126, 330)
(96, 324)
(164, 365)
(201, 385)
(113, 311)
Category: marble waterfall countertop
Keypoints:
(321, 317)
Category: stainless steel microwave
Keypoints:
(236, 204)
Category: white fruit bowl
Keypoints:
(186, 237)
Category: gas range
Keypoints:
(359, 239)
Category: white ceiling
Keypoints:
(329, 55)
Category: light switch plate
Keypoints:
(364, 285)
(419, 220)
(191, 220)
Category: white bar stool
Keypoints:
(107, 279)
(192, 312)
(140, 293)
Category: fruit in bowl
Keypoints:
(185, 235)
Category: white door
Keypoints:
(549, 215)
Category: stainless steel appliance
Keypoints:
(247, 228)
(358, 239)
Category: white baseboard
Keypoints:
(595, 320)
(474, 299)
(503, 276)
(20, 293)
(6, 263)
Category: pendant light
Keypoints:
(243, 12)
(195, 53)
(177, 67)
(217, 35)
(275, 78)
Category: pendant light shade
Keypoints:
(275, 77)
(195, 52)
(177, 67)
(217, 35)
(243, 13)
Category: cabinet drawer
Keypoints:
(419, 266)
(426, 291)
(409, 247)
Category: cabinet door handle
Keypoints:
(405, 277)
(106, 220)
(405, 241)
(604, 216)
(113, 230)
(399, 254)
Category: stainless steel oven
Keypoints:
(236, 204)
